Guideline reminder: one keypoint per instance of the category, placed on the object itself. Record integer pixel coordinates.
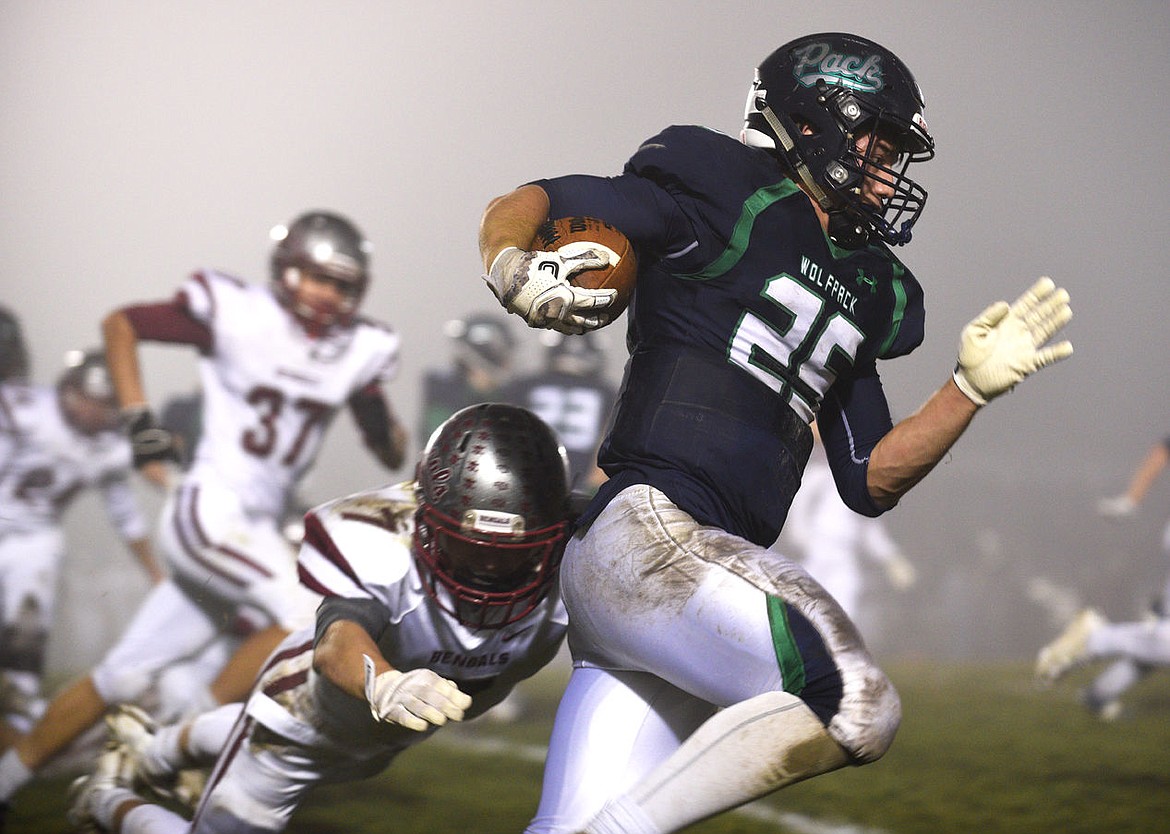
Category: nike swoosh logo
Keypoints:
(507, 638)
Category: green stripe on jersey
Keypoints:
(899, 309)
(742, 232)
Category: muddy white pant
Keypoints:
(708, 671)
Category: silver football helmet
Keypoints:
(86, 392)
(492, 514)
(329, 246)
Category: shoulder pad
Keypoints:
(390, 508)
(683, 154)
(202, 289)
(354, 544)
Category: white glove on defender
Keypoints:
(1003, 345)
(415, 699)
(535, 286)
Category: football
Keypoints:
(622, 271)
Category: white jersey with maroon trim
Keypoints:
(361, 548)
(271, 389)
(48, 463)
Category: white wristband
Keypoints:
(969, 392)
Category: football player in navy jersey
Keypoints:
(709, 671)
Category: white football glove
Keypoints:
(416, 699)
(1120, 508)
(1004, 344)
(535, 286)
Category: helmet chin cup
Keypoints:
(847, 230)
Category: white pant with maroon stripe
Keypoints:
(270, 759)
(237, 566)
(231, 573)
(168, 628)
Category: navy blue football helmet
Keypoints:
(810, 102)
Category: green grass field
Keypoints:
(980, 750)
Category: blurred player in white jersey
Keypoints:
(831, 540)
(439, 597)
(276, 363)
(59, 441)
(1134, 648)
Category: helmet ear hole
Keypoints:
(803, 126)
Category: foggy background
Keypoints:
(142, 140)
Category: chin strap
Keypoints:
(802, 170)
(844, 229)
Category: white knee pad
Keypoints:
(869, 715)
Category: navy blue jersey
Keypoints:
(746, 323)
